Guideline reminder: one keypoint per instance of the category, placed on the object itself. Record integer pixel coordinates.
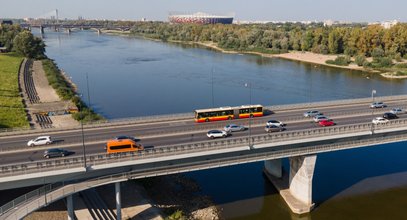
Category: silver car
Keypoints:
(234, 127)
(312, 113)
(378, 105)
(275, 122)
(273, 128)
(216, 134)
(398, 111)
(319, 118)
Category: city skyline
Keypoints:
(257, 10)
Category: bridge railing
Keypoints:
(204, 127)
(221, 144)
(185, 116)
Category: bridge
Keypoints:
(51, 21)
(175, 144)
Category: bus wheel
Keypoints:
(229, 118)
(207, 119)
(251, 115)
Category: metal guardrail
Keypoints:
(97, 159)
(184, 116)
(53, 192)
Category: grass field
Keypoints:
(12, 112)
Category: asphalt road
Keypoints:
(178, 132)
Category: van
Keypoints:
(122, 145)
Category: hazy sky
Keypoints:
(281, 10)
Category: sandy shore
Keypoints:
(308, 57)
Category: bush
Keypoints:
(367, 64)
(398, 58)
(177, 215)
(377, 52)
(360, 60)
(385, 62)
(401, 65)
(340, 61)
(401, 73)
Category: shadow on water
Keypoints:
(337, 172)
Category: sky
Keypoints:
(244, 10)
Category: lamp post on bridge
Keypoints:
(373, 92)
(372, 128)
(83, 134)
(249, 85)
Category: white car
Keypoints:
(216, 134)
(42, 140)
(275, 122)
(398, 111)
(319, 118)
(379, 120)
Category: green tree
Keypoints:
(29, 46)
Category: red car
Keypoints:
(325, 123)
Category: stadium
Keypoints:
(199, 18)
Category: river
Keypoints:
(129, 77)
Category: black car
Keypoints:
(389, 115)
(56, 152)
(122, 137)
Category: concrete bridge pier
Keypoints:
(296, 188)
(99, 31)
(118, 201)
(68, 30)
(274, 167)
(69, 204)
(42, 29)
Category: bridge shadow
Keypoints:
(359, 171)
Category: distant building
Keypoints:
(389, 24)
(199, 18)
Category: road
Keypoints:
(178, 132)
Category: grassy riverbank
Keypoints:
(66, 91)
(12, 113)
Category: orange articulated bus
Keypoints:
(228, 113)
(123, 145)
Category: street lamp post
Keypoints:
(372, 128)
(249, 85)
(373, 92)
(83, 134)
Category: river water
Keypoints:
(129, 77)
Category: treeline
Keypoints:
(21, 41)
(280, 38)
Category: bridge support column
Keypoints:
(301, 174)
(274, 167)
(99, 31)
(41, 29)
(69, 204)
(295, 188)
(118, 201)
